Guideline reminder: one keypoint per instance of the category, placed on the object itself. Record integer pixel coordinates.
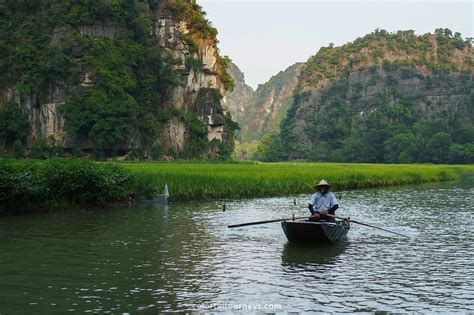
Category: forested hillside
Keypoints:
(386, 97)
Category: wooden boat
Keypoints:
(305, 231)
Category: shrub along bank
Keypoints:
(31, 186)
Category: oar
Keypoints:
(265, 222)
(299, 218)
(362, 223)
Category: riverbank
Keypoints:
(31, 186)
(204, 181)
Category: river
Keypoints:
(182, 257)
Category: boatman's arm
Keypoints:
(333, 209)
(334, 204)
(311, 204)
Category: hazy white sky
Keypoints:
(265, 36)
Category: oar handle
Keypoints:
(265, 222)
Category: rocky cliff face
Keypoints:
(174, 33)
(346, 106)
(270, 103)
(170, 33)
(239, 100)
(261, 111)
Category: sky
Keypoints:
(266, 36)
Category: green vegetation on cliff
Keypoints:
(201, 29)
(14, 125)
(439, 52)
(116, 82)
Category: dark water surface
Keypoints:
(182, 257)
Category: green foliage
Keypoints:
(227, 146)
(322, 152)
(193, 63)
(463, 134)
(192, 13)
(255, 120)
(197, 143)
(125, 97)
(136, 154)
(437, 148)
(76, 151)
(28, 59)
(38, 150)
(172, 154)
(270, 149)
(27, 186)
(462, 154)
(18, 149)
(56, 151)
(98, 151)
(401, 148)
(226, 79)
(200, 29)
(156, 152)
(14, 124)
(354, 150)
(407, 48)
(246, 150)
(74, 13)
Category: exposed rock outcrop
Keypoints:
(238, 101)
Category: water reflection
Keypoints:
(311, 255)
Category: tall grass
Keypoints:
(201, 181)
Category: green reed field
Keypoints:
(201, 181)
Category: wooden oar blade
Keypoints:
(382, 229)
(369, 225)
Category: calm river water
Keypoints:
(182, 257)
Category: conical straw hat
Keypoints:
(322, 183)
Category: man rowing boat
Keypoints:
(322, 203)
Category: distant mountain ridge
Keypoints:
(260, 112)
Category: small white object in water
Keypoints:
(166, 193)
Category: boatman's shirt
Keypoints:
(322, 202)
